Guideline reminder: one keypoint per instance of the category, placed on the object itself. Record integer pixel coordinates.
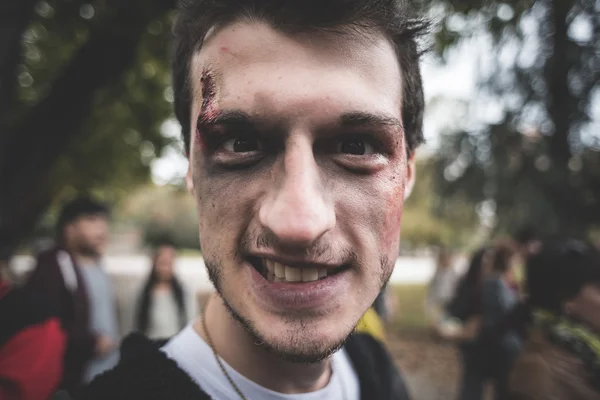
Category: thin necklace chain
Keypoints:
(214, 350)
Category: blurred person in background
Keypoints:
(163, 306)
(32, 345)
(527, 240)
(483, 305)
(301, 120)
(561, 354)
(6, 274)
(499, 342)
(70, 277)
(463, 322)
(442, 286)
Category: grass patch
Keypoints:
(190, 253)
(408, 308)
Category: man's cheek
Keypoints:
(391, 233)
(393, 208)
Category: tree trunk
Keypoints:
(36, 144)
(14, 17)
(562, 103)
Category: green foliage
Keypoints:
(430, 220)
(539, 162)
(92, 92)
(117, 142)
(164, 213)
(409, 316)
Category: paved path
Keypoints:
(431, 369)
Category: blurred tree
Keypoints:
(429, 220)
(164, 213)
(85, 89)
(532, 152)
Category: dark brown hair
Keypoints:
(77, 208)
(392, 17)
(559, 271)
(502, 255)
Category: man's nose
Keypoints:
(298, 211)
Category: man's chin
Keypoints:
(91, 250)
(91, 254)
(293, 341)
(298, 346)
(304, 354)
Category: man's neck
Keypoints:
(239, 349)
(83, 259)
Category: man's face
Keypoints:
(88, 234)
(298, 166)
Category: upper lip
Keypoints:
(297, 262)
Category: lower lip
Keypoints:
(299, 296)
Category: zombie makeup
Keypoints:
(208, 109)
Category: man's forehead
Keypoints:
(253, 65)
(243, 43)
(255, 35)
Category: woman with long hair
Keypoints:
(483, 300)
(467, 308)
(500, 342)
(162, 310)
(561, 355)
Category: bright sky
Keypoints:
(456, 80)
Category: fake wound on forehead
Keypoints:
(208, 92)
(208, 107)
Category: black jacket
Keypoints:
(145, 372)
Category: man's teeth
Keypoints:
(282, 273)
(293, 274)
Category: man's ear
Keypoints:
(411, 172)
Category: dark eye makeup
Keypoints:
(237, 144)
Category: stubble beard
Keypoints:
(302, 351)
(88, 250)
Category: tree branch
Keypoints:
(39, 141)
(14, 17)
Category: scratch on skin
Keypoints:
(208, 109)
(394, 209)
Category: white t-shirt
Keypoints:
(164, 319)
(195, 357)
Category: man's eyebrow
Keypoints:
(358, 119)
(228, 117)
(347, 120)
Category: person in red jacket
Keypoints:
(32, 345)
(57, 276)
